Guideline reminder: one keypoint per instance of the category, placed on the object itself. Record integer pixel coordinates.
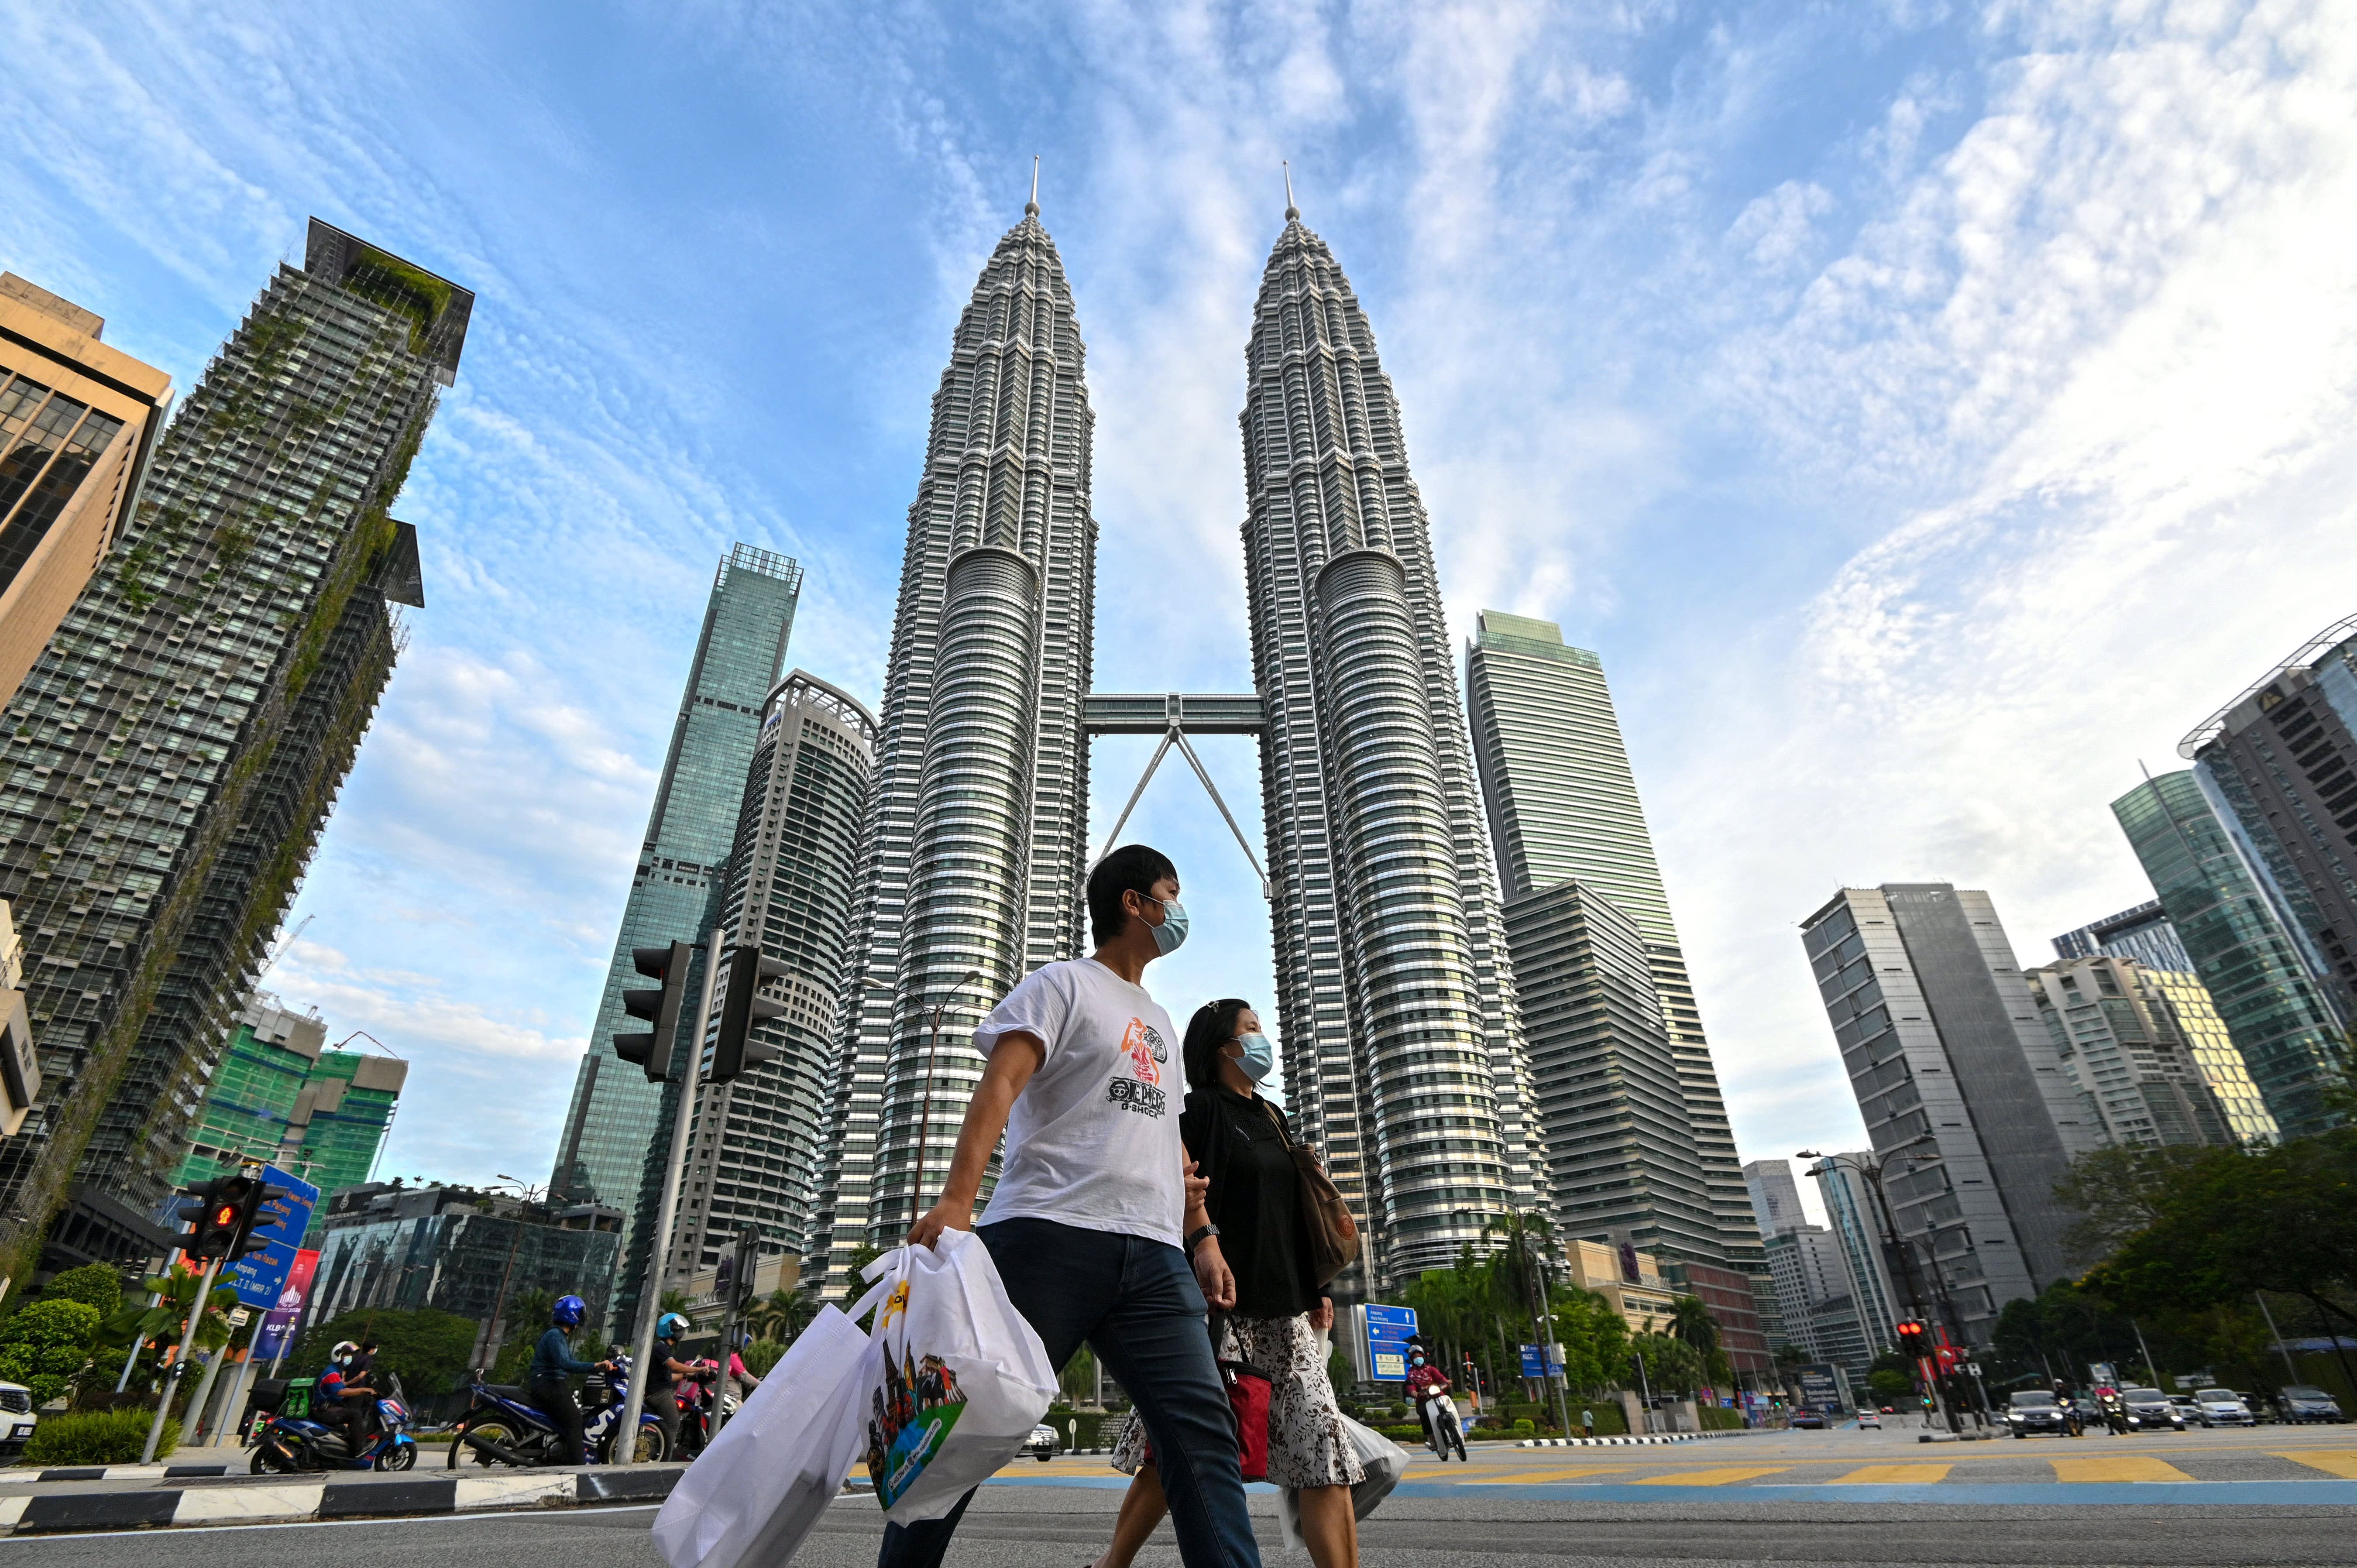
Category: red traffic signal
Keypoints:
(1912, 1339)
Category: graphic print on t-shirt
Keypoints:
(1146, 1051)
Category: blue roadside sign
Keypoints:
(1531, 1368)
(1388, 1330)
(261, 1278)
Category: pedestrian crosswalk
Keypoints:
(2341, 1461)
(1896, 1475)
(2117, 1467)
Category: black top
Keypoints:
(1255, 1198)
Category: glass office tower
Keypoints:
(171, 757)
(1563, 807)
(2260, 972)
(618, 1129)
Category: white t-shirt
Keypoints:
(1092, 1141)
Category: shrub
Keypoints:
(45, 1344)
(761, 1355)
(97, 1437)
(97, 1285)
(1525, 1427)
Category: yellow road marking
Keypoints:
(1897, 1475)
(1712, 1477)
(2123, 1469)
(2331, 1461)
(1534, 1477)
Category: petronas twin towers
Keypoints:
(1404, 1056)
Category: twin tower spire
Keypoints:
(1403, 1049)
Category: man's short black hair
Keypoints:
(1132, 868)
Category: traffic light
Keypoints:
(198, 1207)
(738, 1266)
(735, 1048)
(653, 1052)
(234, 1214)
(1913, 1342)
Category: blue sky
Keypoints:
(1928, 411)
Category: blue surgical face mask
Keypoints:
(1172, 931)
(1259, 1058)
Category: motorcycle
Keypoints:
(695, 1393)
(287, 1445)
(2115, 1412)
(1442, 1430)
(502, 1426)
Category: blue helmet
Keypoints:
(671, 1326)
(568, 1311)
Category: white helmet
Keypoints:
(344, 1352)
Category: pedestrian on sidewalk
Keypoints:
(1091, 1227)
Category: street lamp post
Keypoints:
(1871, 1168)
(925, 1114)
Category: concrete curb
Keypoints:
(120, 1473)
(297, 1501)
(1626, 1441)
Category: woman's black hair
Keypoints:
(1207, 1034)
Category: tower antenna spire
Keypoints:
(1291, 211)
(1033, 205)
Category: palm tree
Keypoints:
(1691, 1321)
(782, 1314)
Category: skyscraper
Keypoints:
(280, 1095)
(1403, 1054)
(2280, 763)
(1775, 1196)
(2143, 933)
(975, 834)
(618, 1129)
(758, 1140)
(2133, 1069)
(1857, 1226)
(1563, 807)
(77, 423)
(1967, 1104)
(174, 751)
(2262, 975)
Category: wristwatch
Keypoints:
(1195, 1236)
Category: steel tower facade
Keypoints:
(1403, 1055)
(975, 834)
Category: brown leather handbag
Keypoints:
(1327, 1230)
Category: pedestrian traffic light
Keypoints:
(735, 1048)
(233, 1213)
(653, 1052)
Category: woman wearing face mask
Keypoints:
(1241, 1146)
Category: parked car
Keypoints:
(2032, 1411)
(2303, 1404)
(1043, 1443)
(2222, 1407)
(2150, 1409)
(16, 1419)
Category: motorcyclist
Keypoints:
(360, 1391)
(1429, 1386)
(549, 1382)
(2114, 1408)
(328, 1406)
(741, 1382)
(662, 1376)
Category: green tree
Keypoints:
(426, 1348)
(528, 1316)
(45, 1344)
(96, 1284)
(854, 1287)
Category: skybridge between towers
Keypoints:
(1172, 716)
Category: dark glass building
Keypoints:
(172, 756)
(619, 1124)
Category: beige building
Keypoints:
(1631, 1280)
(77, 420)
(2120, 1040)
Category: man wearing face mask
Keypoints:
(1096, 1230)
(1242, 1144)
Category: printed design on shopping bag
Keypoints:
(911, 1417)
(1146, 1051)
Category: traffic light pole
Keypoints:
(626, 1440)
(181, 1362)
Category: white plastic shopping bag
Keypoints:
(751, 1498)
(952, 1380)
(1384, 1461)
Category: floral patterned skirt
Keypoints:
(1308, 1444)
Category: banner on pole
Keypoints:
(273, 1338)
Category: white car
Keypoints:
(1867, 1418)
(16, 1419)
(1042, 1443)
(2221, 1407)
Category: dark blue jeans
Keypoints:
(1137, 1305)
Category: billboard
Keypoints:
(277, 1335)
(1820, 1384)
(260, 1279)
(1553, 1367)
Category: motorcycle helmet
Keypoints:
(568, 1311)
(672, 1326)
(344, 1352)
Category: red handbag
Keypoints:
(1248, 1391)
